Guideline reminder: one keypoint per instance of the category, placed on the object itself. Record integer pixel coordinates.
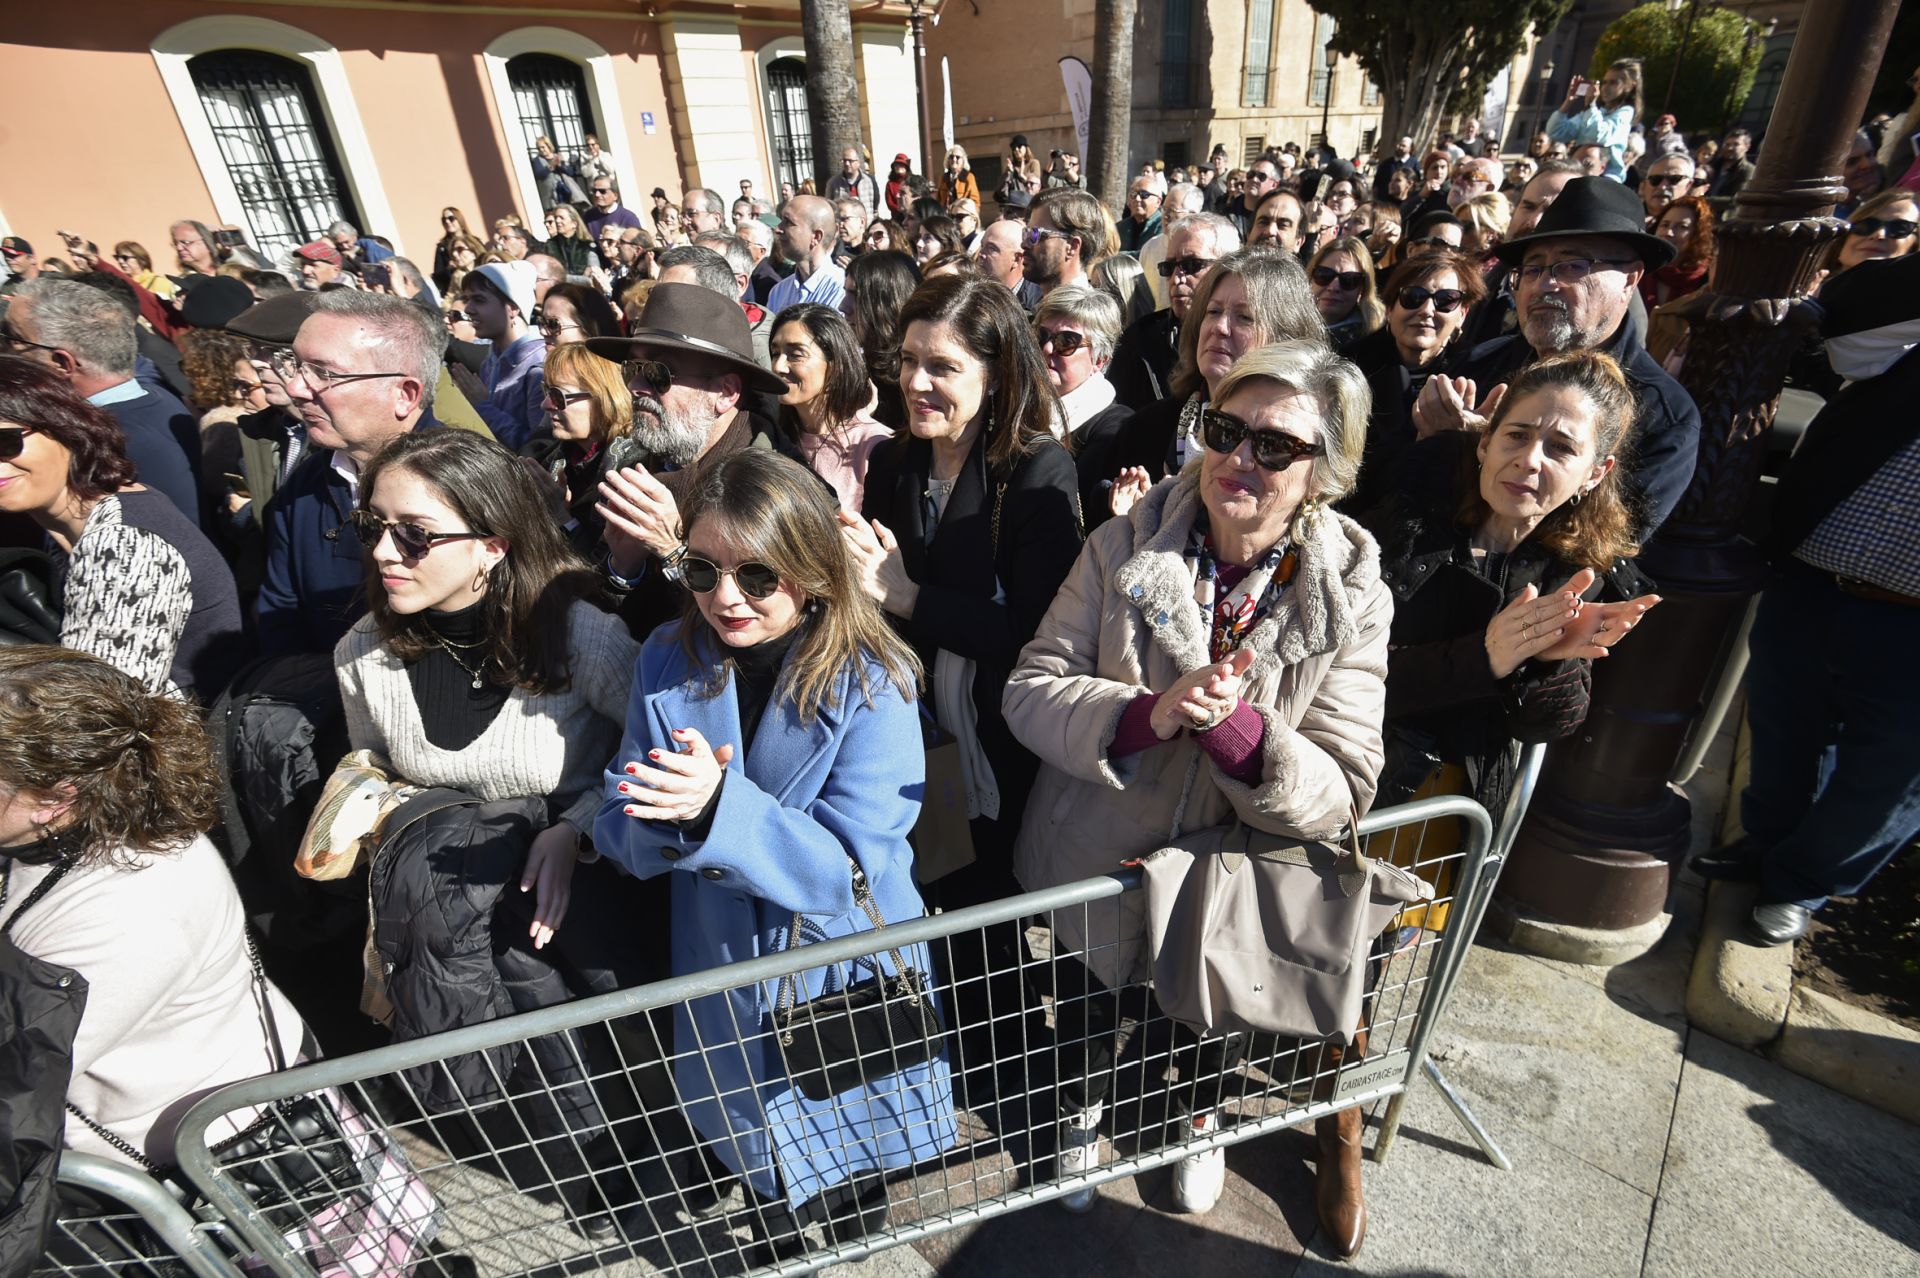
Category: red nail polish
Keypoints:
(653, 754)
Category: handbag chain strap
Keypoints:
(863, 897)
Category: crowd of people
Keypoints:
(665, 542)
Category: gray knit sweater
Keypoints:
(555, 745)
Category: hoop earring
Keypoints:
(1577, 498)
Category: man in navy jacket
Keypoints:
(87, 337)
(367, 366)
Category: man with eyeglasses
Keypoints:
(1668, 178)
(1262, 179)
(194, 248)
(1142, 220)
(87, 338)
(853, 182)
(274, 439)
(703, 210)
(850, 216)
(1143, 359)
(1496, 317)
(360, 374)
(1576, 276)
(499, 299)
(689, 365)
(607, 209)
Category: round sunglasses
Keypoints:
(1273, 449)
(1064, 342)
(702, 576)
(1349, 280)
(410, 539)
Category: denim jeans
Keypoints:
(1833, 701)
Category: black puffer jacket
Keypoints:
(1443, 701)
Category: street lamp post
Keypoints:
(917, 23)
(1686, 38)
(1540, 107)
(1326, 101)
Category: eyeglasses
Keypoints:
(322, 380)
(241, 386)
(1038, 233)
(13, 441)
(1064, 342)
(1349, 280)
(1571, 271)
(554, 327)
(702, 576)
(1895, 228)
(1146, 195)
(558, 401)
(1667, 179)
(1445, 300)
(410, 539)
(449, 218)
(1190, 266)
(16, 342)
(647, 375)
(456, 317)
(1258, 176)
(1273, 449)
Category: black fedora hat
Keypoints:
(687, 317)
(1594, 206)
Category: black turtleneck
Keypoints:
(755, 672)
(453, 712)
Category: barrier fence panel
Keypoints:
(117, 1222)
(613, 1133)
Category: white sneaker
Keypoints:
(1080, 1153)
(1199, 1179)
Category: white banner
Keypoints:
(1493, 107)
(1078, 78)
(946, 92)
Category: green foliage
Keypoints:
(1715, 77)
(1422, 53)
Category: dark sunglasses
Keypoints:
(13, 442)
(1349, 280)
(1063, 343)
(411, 540)
(1896, 228)
(647, 374)
(702, 576)
(1274, 450)
(1038, 233)
(558, 401)
(1667, 179)
(1445, 300)
(1184, 265)
(456, 317)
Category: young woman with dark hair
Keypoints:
(141, 587)
(482, 667)
(772, 753)
(575, 313)
(825, 409)
(453, 230)
(878, 286)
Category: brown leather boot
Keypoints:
(1339, 1195)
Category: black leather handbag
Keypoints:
(862, 1034)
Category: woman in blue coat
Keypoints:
(772, 743)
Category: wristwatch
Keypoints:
(670, 562)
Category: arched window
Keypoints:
(275, 145)
(789, 122)
(550, 99)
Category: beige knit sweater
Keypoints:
(555, 745)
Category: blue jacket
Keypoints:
(163, 443)
(795, 804)
(314, 587)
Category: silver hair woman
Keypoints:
(1218, 655)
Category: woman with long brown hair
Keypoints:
(453, 230)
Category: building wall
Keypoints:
(419, 87)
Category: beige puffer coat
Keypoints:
(1125, 623)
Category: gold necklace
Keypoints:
(447, 648)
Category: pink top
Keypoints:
(840, 456)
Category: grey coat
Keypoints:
(1125, 623)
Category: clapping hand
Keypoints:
(882, 569)
(1531, 625)
(1598, 627)
(1129, 486)
(641, 518)
(678, 786)
(1449, 403)
(1202, 699)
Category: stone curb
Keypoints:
(1746, 995)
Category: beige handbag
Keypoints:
(1250, 931)
(354, 803)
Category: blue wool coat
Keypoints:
(797, 801)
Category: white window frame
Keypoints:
(610, 122)
(173, 48)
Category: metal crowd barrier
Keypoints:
(554, 1141)
(130, 1227)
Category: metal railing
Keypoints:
(612, 1131)
(118, 1221)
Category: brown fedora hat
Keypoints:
(687, 317)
